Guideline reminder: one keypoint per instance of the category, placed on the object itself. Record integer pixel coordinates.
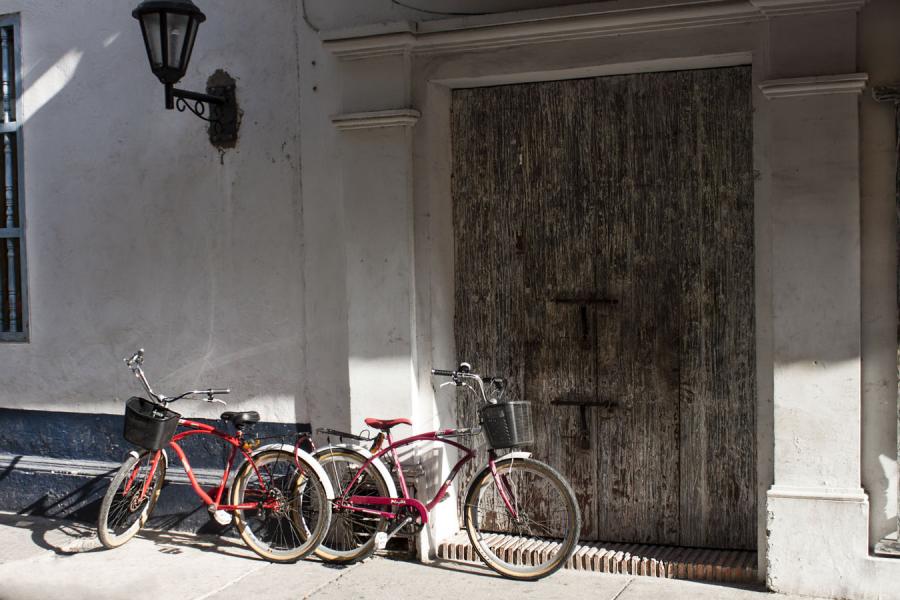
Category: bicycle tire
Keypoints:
(295, 527)
(534, 487)
(122, 513)
(351, 536)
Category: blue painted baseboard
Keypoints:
(58, 464)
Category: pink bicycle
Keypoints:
(513, 495)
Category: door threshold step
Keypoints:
(673, 562)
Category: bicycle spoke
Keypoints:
(123, 513)
(529, 500)
(351, 534)
(291, 512)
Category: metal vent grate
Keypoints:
(673, 562)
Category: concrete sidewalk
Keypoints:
(43, 558)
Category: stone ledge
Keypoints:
(647, 560)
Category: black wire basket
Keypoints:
(149, 425)
(507, 424)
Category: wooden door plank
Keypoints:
(559, 252)
(718, 383)
(638, 464)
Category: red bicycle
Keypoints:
(513, 495)
(280, 497)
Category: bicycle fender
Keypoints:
(509, 455)
(136, 454)
(308, 460)
(377, 463)
(520, 454)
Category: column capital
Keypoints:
(851, 83)
(397, 117)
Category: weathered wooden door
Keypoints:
(604, 262)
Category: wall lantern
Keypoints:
(169, 28)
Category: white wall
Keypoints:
(141, 234)
(236, 268)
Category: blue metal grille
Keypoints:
(13, 296)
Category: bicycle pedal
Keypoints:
(221, 517)
(381, 540)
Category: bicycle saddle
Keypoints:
(386, 424)
(241, 418)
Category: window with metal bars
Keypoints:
(13, 288)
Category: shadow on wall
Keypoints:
(78, 499)
(59, 464)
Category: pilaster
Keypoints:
(376, 154)
(817, 510)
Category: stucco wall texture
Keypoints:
(140, 233)
(239, 268)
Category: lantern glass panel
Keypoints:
(177, 34)
(150, 24)
(191, 36)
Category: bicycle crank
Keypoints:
(221, 517)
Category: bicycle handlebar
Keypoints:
(212, 392)
(464, 371)
(137, 359)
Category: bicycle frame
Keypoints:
(353, 502)
(237, 443)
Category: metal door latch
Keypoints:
(584, 430)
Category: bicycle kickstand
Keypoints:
(381, 538)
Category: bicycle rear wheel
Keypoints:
(351, 537)
(292, 511)
(125, 508)
(546, 517)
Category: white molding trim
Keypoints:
(818, 493)
(777, 8)
(370, 46)
(852, 83)
(577, 22)
(399, 117)
(95, 468)
(456, 35)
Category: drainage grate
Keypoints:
(674, 562)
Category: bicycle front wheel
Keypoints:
(351, 537)
(291, 511)
(544, 515)
(126, 506)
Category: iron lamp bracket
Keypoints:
(218, 107)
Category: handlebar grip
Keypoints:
(136, 358)
(442, 373)
(221, 392)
